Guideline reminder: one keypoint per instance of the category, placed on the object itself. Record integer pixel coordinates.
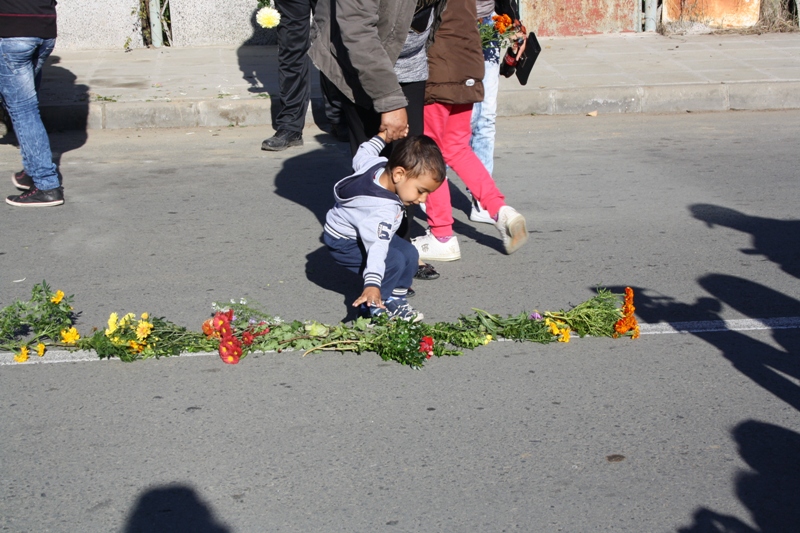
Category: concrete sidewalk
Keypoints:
(621, 73)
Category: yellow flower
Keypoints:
(23, 355)
(56, 299)
(487, 340)
(268, 17)
(145, 316)
(112, 324)
(135, 346)
(564, 335)
(143, 329)
(40, 348)
(124, 321)
(70, 336)
(553, 328)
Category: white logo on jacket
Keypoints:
(384, 231)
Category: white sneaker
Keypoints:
(511, 226)
(430, 249)
(479, 214)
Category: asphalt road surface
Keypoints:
(686, 432)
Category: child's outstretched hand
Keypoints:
(371, 296)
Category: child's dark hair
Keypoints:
(418, 154)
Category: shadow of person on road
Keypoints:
(172, 509)
(770, 490)
(763, 363)
(307, 179)
(323, 271)
(777, 240)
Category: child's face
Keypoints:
(414, 189)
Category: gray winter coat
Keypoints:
(356, 44)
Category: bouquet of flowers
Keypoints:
(499, 33)
(267, 16)
(130, 338)
(45, 319)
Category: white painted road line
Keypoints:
(747, 324)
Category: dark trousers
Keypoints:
(401, 261)
(294, 65)
(364, 123)
(333, 100)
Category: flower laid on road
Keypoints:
(22, 356)
(627, 325)
(426, 346)
(131, 338)
(238, 329)
(267, 16)
(70, 336)
(230, 350)
(35, 322)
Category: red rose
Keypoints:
(426, 346)
(230, 350)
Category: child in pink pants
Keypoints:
(455, 71)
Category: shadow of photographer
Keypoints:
(770, 489)
(172, 509)
(777, 240)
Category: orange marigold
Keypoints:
(208, 329)
(628, 322)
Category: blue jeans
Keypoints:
(484, 114)
(21, 61)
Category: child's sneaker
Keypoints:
(431, 249)
(511, 226)
(478, 213)
(399, 308)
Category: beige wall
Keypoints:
(114, 24)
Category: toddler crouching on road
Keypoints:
(360, 228)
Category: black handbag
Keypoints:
(528, 58)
